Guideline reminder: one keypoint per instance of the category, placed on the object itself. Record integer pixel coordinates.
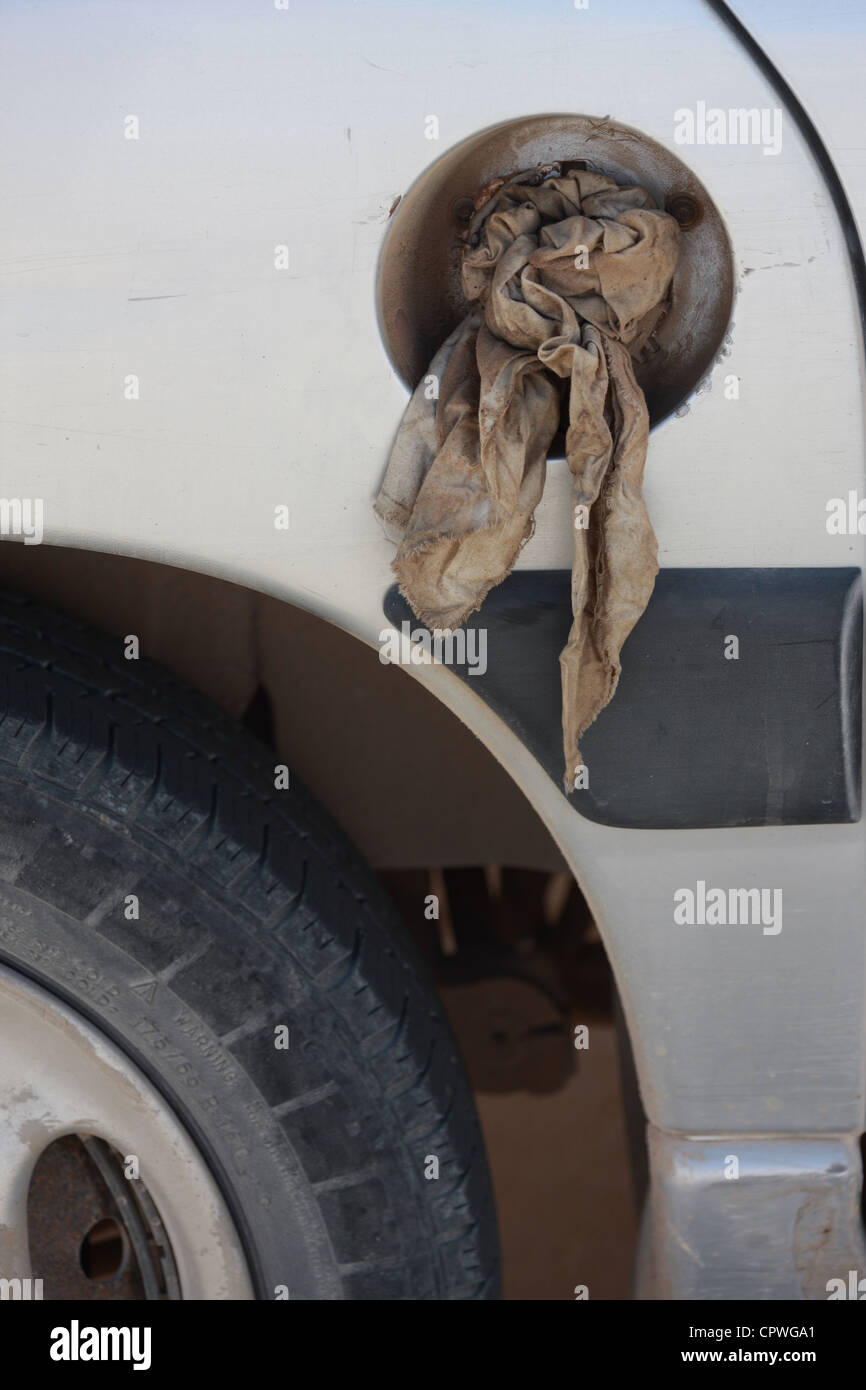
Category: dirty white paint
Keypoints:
(258, 386)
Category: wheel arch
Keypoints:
(405, 773)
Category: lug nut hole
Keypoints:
(103, 1251)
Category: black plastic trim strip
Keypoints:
(739, 702)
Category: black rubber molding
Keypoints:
(739, 701)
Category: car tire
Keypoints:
(225, 936)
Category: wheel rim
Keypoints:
(60, 1076)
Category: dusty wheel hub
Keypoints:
(123, 1206)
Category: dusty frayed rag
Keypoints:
(568, 277)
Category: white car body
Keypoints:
(154, 258)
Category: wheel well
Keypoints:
(410, 784)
